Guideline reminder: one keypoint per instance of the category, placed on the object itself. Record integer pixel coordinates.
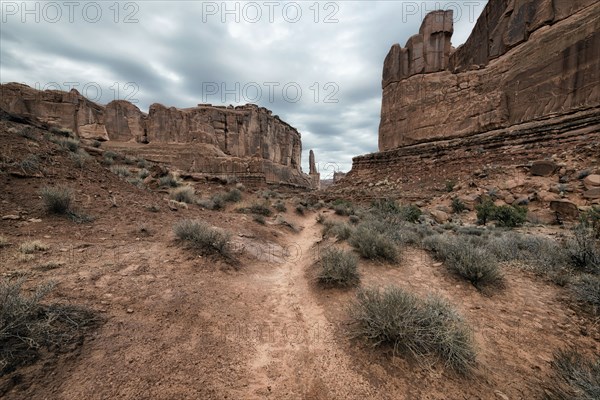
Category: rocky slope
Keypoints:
(225, 141)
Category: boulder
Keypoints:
(439, 216)
(470, 201)
(565, 209)
(591, 181)
(545, 217)
(592, 194)
(543, 168)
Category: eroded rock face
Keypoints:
(243, 132)
(552, 69)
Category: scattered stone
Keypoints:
(34, 220)
(543, 168)
(521, 201)
(129, 310)
(11, 216)
(501, 395)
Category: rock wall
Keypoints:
(239, 132)
(524, 61)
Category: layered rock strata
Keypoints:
(228, 140)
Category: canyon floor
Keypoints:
(176, 324)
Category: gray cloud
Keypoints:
(175, 51)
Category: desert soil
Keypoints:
(177, 325)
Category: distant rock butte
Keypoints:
(228, 140)
(524, 61)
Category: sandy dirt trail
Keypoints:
(296, 352)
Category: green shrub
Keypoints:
(354, 219)
(184, 194)
(575, 377)
(120, 170)
(485, 211)
(410, 213)
(57, 199)
(27, 326)
(399, 319)
(457, 205)
(321, 218)
(96, 143)
(203, 237)
(450, 185)
(509, 216)
(338, 268)
(300, 209)
(386, 206)
(373, 245)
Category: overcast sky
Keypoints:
(315, 64)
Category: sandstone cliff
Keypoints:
(524, 61)
(523, 91)
(218, 140)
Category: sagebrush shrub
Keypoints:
(28, 326)
(587, 289)
(575, 377)
(338, 268)
(232, 196)
(203, 237)
(184, 194)
(120, 170)
(373, 245)
(57, 199)
(399, 319)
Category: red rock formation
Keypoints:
(228, 137)
(525, 87)
(524, 61)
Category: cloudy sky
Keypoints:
(315, 64)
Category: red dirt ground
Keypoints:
(181, 326)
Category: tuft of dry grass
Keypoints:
(32, 247)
